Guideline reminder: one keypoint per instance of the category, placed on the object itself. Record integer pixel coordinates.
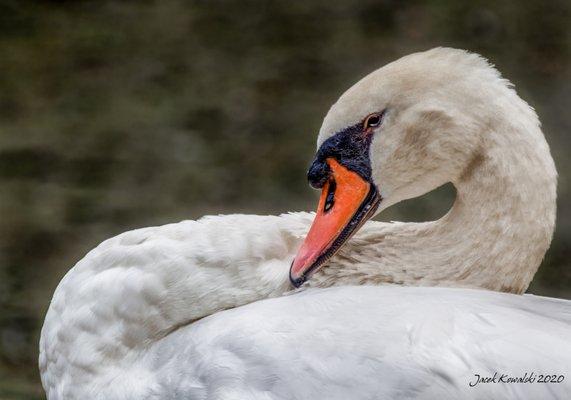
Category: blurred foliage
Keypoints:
(121, 114)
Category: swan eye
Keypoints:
(373, 120)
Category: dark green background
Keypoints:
(122, 114)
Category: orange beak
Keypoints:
(347, 201)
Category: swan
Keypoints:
(207, 309)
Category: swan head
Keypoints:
(402, 131)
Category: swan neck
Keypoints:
(494, 237)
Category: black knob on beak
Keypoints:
(318, 173)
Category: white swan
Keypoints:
(123, 322)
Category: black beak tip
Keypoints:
(296, 282)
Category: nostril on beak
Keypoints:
(318, 174)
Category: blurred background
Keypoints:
(116, 115)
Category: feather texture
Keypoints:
(203, 309)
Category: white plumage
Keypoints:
(363, 342)
(142, 315)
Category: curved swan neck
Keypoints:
(135, 289)
(503, 219)
(494, 237)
